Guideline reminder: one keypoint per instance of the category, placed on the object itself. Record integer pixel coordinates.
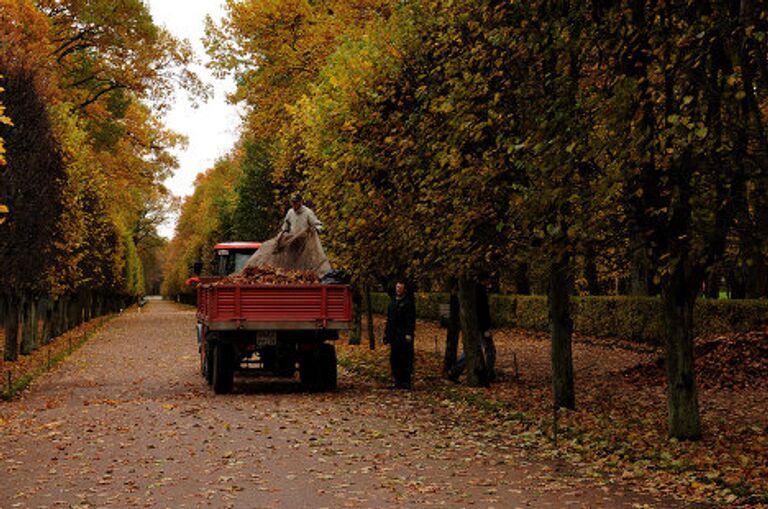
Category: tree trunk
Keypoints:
(11, 327)
(477, 374)
(757, 282)
(713, 285)
(522, 283)
(679, 296)
(63, 315)
(46, 315)
(99, 306)
(88, 306)
(736, 284)
(79, 308)
(640, 279)
(369, 318)
(58, 317)
(28, 325)
(355, 335)
(561, 329)
(452, 334)
(590, 272)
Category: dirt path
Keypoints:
(127, 421)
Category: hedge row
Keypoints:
(636, 318)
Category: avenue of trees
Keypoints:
(591, 147)
(83, 158)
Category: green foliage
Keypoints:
(256, 216)
(134, 273)
(205, 219)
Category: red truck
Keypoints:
(268, 329)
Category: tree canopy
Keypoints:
(567, 146)
(84, 82)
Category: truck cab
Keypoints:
(231, 257)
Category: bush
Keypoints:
(638, 319)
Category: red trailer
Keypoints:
(270, 329)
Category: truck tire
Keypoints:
(223, 369)
(328, 376)
(208, 374)
(206, 357)
(317, 369)
(308, 370)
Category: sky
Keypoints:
(211, 128)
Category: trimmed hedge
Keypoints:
(636, 318)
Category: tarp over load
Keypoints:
(295, 251)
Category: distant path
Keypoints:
(127, 421)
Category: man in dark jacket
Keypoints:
(399, 333)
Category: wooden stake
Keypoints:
(517, 372)
(555, 412)
(10, 383)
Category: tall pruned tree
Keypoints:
(276, 49)
(204, 220)
(4, 119)
(256, 216)
(686, 114)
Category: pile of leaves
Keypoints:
(722, 361)
(739, 360)
(268, 275)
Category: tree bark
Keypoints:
(713, 285)
(452, 334)
(58, 317)
(29, 325)
(522, 283)
(355, 335)
(561, 329)
(477, 374)
(369, 318)
(679, 297)
(11, 327)
(640, 278)
(590, 272)
(46, 315)
(757, 283)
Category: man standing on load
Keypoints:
(300, 217)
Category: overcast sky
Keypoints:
(211, 128)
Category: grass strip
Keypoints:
(17, 386)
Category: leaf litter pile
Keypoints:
(617, 435)
(722, 361)
(268, 275)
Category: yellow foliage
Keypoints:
(3, 120)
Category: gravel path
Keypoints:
(127, 421)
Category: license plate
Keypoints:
(266, 338)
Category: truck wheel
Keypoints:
(308, 370)
(328, 375)
(285, 360)
(223, 370)
(208, 364)
(317, 369)
(206, 357)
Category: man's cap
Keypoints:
(296, 197)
